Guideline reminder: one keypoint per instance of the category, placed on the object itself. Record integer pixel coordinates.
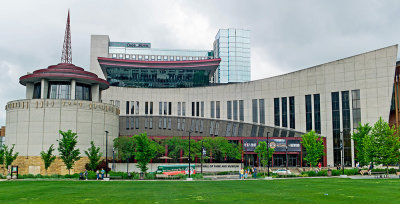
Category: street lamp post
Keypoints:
(342, 151)
(189, 153)
(268, 151)
(106, 151)
(113, 165)
(201, 159)
(286, 155)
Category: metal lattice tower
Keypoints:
(67, 52)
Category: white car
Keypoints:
(282, 172)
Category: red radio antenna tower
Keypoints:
(67, 52)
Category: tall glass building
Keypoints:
(233, 47)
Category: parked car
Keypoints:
(282, 172)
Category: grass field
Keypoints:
(332, 190)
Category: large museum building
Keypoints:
(132, 89)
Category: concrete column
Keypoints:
(29, 90)
(44, 88)
(73, 86)
(96, 93)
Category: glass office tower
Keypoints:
(233, 47)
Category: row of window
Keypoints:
(342, 136)
(62, 90)
(116, 103)
(157, 57)
(198, 109)
(283, 103)
(309, 113)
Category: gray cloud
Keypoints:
(286, 35)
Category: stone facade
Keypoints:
(35, 165)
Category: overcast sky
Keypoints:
(285, 35)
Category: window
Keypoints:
(240, 130)
(179, 124)
(276, 112)
(59, 90)
(137, 107)
(159, 123)
(169, 123)
(127, 108)
(152, 58)
(184, 58)
(165, 108)
(292, 112)
(183, 124)
(165, 58)
(126, 56)
(211, 127)
(37, 89)
(346, 127)
(140, 57)
(197, 125)
(190, 58)
(127, 123)
(217, 107)
(355, 96)
(179, 108)
(262, 111)
(317, 113)
(146, 108)
(132, 119)
(137, 123)
(193, 109)
(132, 107)
(212, 107)
(160, 108)
(114, 56)
(255, 111)
(241, 110)
(228, 131)
(121, 56)
(165, 123)
(178, 58)
(284, 112)
(235, 111)
(183, 108)
(308, 113)
(151, 123)
(146, 123)
(146, 57)
(260, 131)
(216, 128)
(336, 128)
(235, 129)
(201, 126)
(151, 108)
(172, 58)
(197, 109)
(117, 103)
(192, 124)
(133, 57)
(158, 58)
(202, 109)
(253, 131)
(169, 108)
(229, 109)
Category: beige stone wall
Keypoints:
(35, 165)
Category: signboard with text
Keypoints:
(278, 144)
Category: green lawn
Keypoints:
(332, 190)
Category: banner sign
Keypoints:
(294, 145)
(278, 144)
(249, 145)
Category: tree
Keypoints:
(48, 157)
(313, 144)
(9, 157)
(2, 156)
(264, 154)
(175, 145)
(66, 147)
(359, 136)
(145, 151)
(94, 155)
(383, 144)
(125, 147)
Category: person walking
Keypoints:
(102, 173)
(319, 166)
(97, 174)
(241, 174)
(245, 174)
(86, 174)
(255, 173)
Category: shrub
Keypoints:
(181, 176)
(197, 176)
(149, 176)
(322, 173)
(311, 173)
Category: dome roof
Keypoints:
(64, 72)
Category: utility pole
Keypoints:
(106, 151)
(268, 151)
(189, 153)
(201, 159)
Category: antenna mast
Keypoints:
(66, 56)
